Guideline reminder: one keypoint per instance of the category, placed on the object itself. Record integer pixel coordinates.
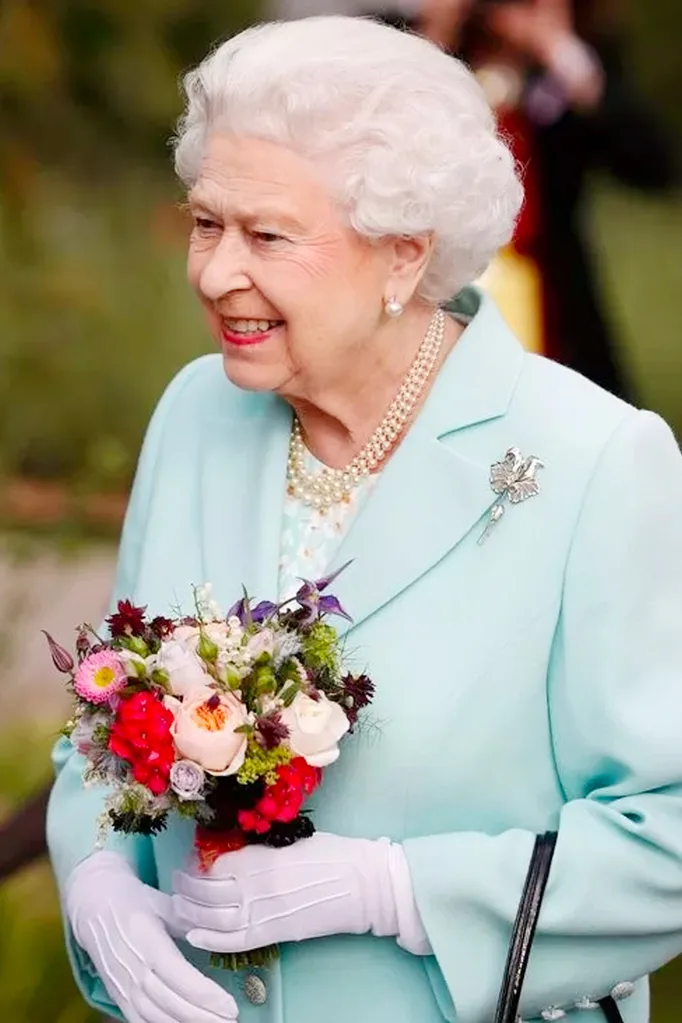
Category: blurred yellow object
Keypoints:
(514, 283)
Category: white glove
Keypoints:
(319, 886)
(121, 924)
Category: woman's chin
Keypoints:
(249, 375)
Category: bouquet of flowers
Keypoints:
(227, 719)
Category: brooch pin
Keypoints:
(513, 480)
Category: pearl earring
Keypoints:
(393, 307)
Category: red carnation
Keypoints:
(282, 802)
(141, 734)
(127, 621)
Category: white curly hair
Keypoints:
(403, 132)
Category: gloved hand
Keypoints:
(319, 886)
(125, 926)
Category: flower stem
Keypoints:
(243, 960)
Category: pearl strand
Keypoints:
(331, 486)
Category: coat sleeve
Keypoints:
(613, 907)
(73, 810)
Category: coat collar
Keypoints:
(427, 499)
(432, 492)
(477, 382)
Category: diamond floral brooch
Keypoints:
(513, 480)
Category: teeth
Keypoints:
(251, 326)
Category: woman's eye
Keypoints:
(268, 237)
(204, 223)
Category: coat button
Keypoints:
(255, 989)
(586, 1003)
(552, 1014)
(622, 990)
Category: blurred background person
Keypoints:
(556, 74)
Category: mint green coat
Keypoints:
(531, 682)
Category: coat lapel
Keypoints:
(242, 485)
(432, 492)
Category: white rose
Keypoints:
(315, 728)
(185, 670)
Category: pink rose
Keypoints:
(204, 730)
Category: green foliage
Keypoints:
(96, 318)
(321, 649)
(133, 820)
(654, 31)
(263, 679)
(262, 763)
(87, 84)
(35, 978)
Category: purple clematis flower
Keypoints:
(315, 603)
(248, 615)
(261, 612)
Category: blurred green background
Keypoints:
(95, 317)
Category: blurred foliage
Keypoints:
(94, 312)
(654, 30)
(96, 317)
(88, 84)
(36, 985)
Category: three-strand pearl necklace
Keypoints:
(326, 487)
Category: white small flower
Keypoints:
(287, 644)
(207, 608)
(187, 780)
(235, 634)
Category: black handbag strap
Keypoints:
(523, 933)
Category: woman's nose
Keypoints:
(225, 270)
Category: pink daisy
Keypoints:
(99, 677)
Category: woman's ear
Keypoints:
(408, 261)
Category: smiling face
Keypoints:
(292, 294)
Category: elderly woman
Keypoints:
(345, 180)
